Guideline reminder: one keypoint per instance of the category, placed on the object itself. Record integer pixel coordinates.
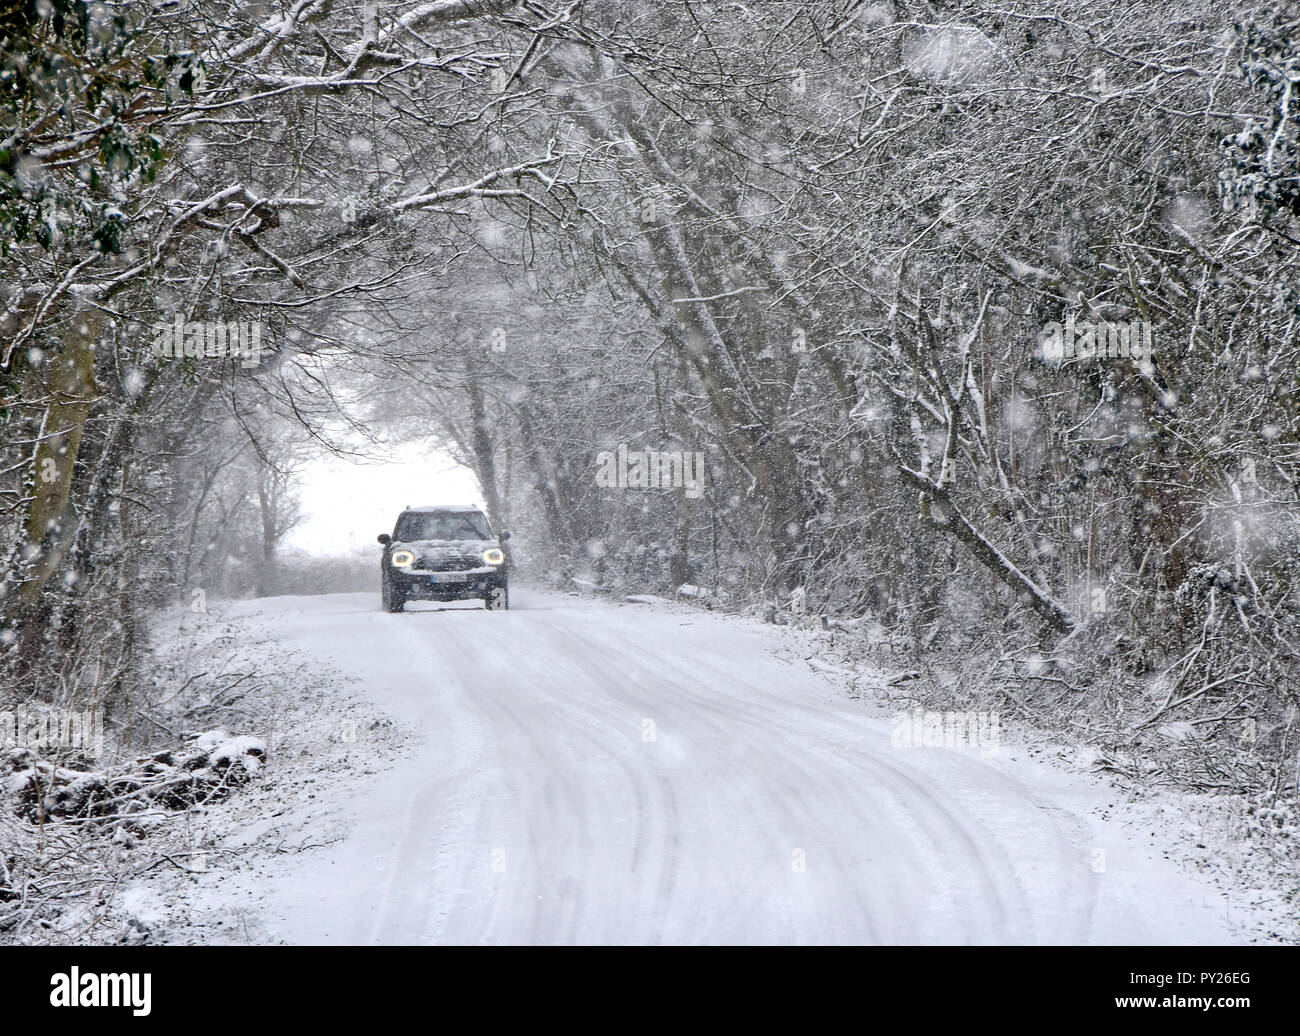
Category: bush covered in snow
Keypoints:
(205, 769)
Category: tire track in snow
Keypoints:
(534, 745)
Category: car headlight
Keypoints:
(403, 558)
(494, 557)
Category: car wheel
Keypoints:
(394, 599)
(498, 599)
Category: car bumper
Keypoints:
(418, 585)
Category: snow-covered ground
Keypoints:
(596, 772)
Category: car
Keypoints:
(444, 552)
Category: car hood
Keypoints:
(445, 548)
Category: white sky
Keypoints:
(346, 504)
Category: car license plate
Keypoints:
(449, 577)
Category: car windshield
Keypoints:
(442, 525)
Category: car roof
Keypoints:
(433, 508)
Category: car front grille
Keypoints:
(460, 563)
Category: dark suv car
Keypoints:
(444, 553)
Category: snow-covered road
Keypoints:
(627, 773)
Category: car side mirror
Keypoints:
(503, 537)
(385, 539)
